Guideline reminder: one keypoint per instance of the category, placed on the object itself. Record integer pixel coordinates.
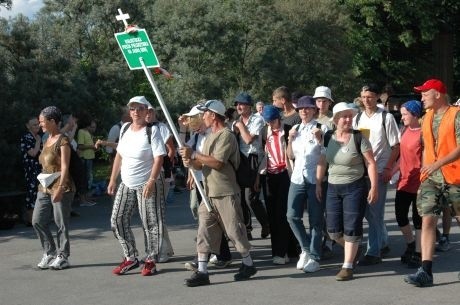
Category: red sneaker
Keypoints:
(149, 268)
(125, 266)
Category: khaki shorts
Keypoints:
(227, 217)
(434, 197)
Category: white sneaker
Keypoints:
(213, 259)
(302, 260)
(46, 261)
(60, 263)
(278, 260)
(311, 266)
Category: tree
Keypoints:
(403, 42)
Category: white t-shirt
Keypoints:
(199, 148)
(164, 131)
(114, 133)
(254, 126)
(381, 140)
(137, 156)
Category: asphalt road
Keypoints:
(95, 252)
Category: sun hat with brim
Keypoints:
(215, 106)
(140, 100)
(323, 92)
(270, 113)
(194, 111)
(305, 101)
(342, 106)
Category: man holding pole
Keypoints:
(217, 161)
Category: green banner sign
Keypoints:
(136, 45)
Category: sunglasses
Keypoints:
(138, 109)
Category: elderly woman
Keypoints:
(31, 145)
(139, 159)
(304, 146)
(55, 192)
(347, 153)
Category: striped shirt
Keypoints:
(276, 151)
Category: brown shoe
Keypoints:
(345, 274)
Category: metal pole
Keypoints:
(173, 128)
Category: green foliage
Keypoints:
(67, 56)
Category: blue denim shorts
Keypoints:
(345, 208)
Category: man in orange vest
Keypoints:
(440, 172)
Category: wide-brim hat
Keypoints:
(342, 106)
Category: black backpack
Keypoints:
(149, 131)
(77, 169)
(357, 137)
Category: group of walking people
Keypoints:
(335, 165)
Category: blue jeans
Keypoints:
(378, 234)
(345, 206)
(297, 198)
(89, 171)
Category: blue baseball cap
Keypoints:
(243, 98)
(270, 113)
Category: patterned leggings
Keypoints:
(151, 211)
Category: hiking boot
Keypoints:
(125, 266)
(197, 279)
(384, 251)
(220, 264)
(345, 274)
(311, 266)
(245, 272)
(443, 244)
(45, 261)
(420, 279)
(192, 266)
(369, 260)
(303, 259)
(60, 263)
(149, 268)
(265, 232)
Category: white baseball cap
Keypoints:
(194, 111)
(140, 100)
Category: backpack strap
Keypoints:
(327, 137)
(124, 129)
(357, 137)
(149, 134)
(196, 141)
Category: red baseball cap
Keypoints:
(435, 84)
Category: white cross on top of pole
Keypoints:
(123, 17)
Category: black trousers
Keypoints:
(275, 192)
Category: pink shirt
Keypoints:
(410, 160)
